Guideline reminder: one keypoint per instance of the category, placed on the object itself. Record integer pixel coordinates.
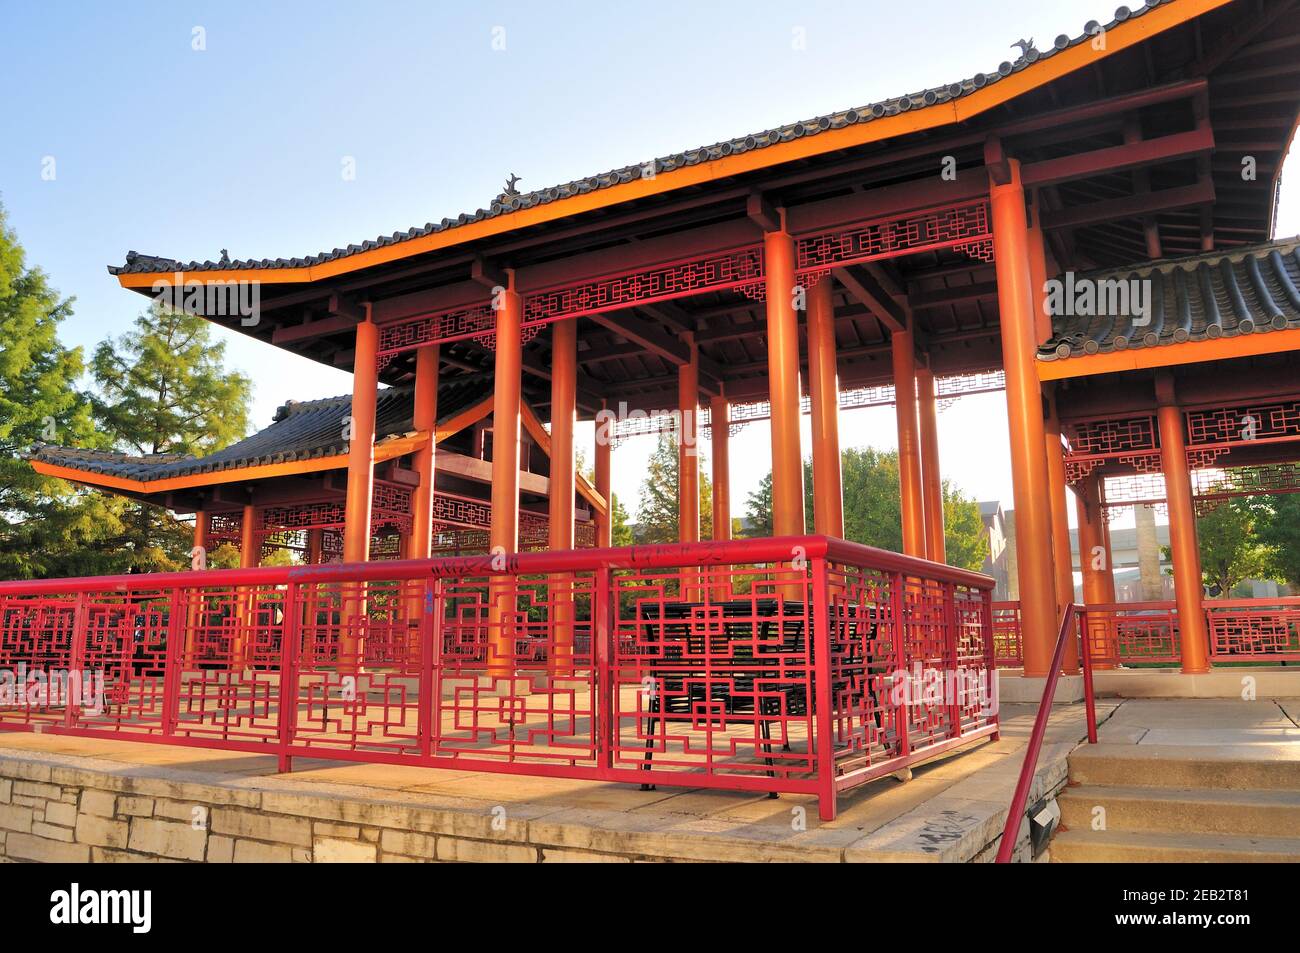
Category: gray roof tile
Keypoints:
(1251, 290)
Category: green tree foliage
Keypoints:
(162, 388)
(619, 531)
(657, 509)
(47, 527)
(1231, 552)
(758, 510)
(1278, 528)
(873, 512)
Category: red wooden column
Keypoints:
(361, 481)
(1016, 306)
(564, 415)
(1098, 581)
(783, 383)
(1061, 555)
(688, 458)
(250, 554)
(503, 536)
(603, 470)
(910, 484)
(1183, 544)
(936, 548)
(315, 547)
(824, 388)
(202, 525)
(425, 420)
(361, 444)
(720, 428)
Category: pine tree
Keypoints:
(162, 388)
(47, 527)
(657, 509)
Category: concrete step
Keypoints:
(1088, 846)
(1171, 810)
(1262, 767)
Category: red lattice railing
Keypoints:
(1147, 633)
(781, 665)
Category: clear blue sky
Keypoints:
(177, 152)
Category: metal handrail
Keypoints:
(1035, 746)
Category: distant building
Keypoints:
(1139, 557)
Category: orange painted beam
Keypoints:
(466, 418)
(533, 425)
(1170, 355)
(1044, 71)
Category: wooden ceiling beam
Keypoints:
(865, 289)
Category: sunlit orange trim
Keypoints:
(466, 418)
(384, 450)
(1189, 352)
(1044, 71)
(533, 424)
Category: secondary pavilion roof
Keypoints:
(1195, 84)
(1200, 298)
(301, 432)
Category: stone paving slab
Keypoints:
(951, 809)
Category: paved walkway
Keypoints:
(952, 809)
(1203, 721)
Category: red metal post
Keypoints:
(174, 655)
(290, 638)
(1016, 812)
(1089, 699)
(824, 717)
(603, 633)
(76, 653)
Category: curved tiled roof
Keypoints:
(1252, 290)
(301, 431)
(506, 204)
